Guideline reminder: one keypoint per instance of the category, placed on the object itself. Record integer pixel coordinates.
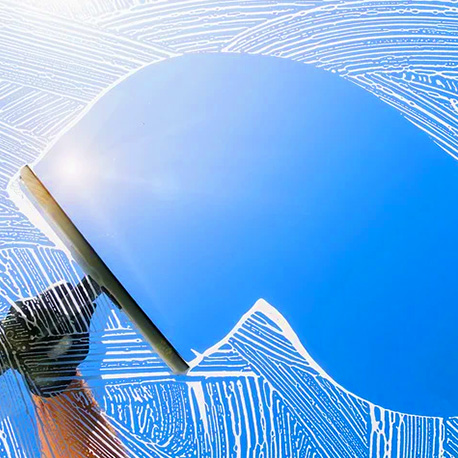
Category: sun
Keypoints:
(72, 169)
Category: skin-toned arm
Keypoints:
(71, 425)
(45, 338)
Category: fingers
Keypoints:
(46, 337)
(59, 290)
(87, 289)
(85, 294)
(70, 309)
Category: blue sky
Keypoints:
(207, 182)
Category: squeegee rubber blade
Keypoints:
(94, 266)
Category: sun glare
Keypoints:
(72, 169)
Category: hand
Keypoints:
(46, 337)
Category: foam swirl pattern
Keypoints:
(257, 393)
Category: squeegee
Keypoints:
(93, 265)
